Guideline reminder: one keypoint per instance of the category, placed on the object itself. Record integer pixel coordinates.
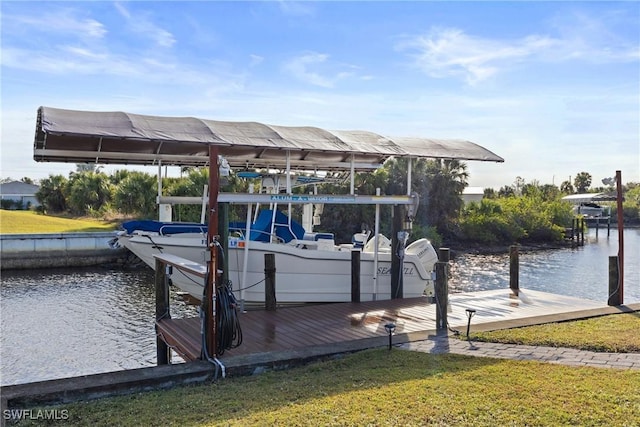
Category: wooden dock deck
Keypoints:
(335, 324)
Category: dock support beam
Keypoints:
(355, 276)
(270, 282)
(163, 352)
(441, 288)
(615, 295)
(514, 270)
(396, 262)
(620, 236)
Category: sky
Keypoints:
(552, 87)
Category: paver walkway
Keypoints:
(561, 355)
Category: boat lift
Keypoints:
(73, 136)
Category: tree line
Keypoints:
(524, 212)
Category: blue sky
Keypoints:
(552, 87)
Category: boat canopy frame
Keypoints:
(72, 136)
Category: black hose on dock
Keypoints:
(229, 330)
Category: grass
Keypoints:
(394, 388)
(26, 222)
(615, 333)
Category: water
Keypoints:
(581, 272)
(68, 322)
(62, 323)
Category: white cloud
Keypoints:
(62, 21)
(451, 52)
(255, 60)
(296, 8)
(314, 68)
(141, 25)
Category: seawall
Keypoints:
(28, 251)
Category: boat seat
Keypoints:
(359, 239)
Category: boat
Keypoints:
(588, 205)
(310, 267)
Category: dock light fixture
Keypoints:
(390, 327)
(470, 313)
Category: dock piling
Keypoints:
(270, 282)
(614, 282)
(163, 352)
(355, 276)
(514, 270)
(442, 295)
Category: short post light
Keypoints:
(470, 313)
(390, 327)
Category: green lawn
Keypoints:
(616, 333)
(25, 222)
(393, 388)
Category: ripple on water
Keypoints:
(59, 323)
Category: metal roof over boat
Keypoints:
(589, 198)
(125, 138)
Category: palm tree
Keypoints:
(51, 193)
(582, 182)
(136, 194)
(88, 191)
(445, 182)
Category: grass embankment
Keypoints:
(616, 333)
(381, 387)
(29, 222)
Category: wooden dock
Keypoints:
(336, 324)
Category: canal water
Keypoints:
(63, 323)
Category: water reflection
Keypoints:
(582, 272)
(58, 323)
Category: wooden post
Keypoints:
(444, 254)
(396, 223)
(614, 282)
(270, 282)
(582, 231)
(514, 269)
(620, 235)
(442, 294)
(396, 265)
(211, 303)
(355, 276)
(163, 352)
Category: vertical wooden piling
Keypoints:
(442, 294)
(444, 254)
(514, 269)
(614, 282)
(270, 282)
(163, 352)
(355, 276)
(620, 236)
(396, 263)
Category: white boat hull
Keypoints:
(302, 275)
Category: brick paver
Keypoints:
(566, 356)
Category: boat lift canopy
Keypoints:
(132, 139)
(589, 198)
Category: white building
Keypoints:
(20, 192)
(472, 194)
